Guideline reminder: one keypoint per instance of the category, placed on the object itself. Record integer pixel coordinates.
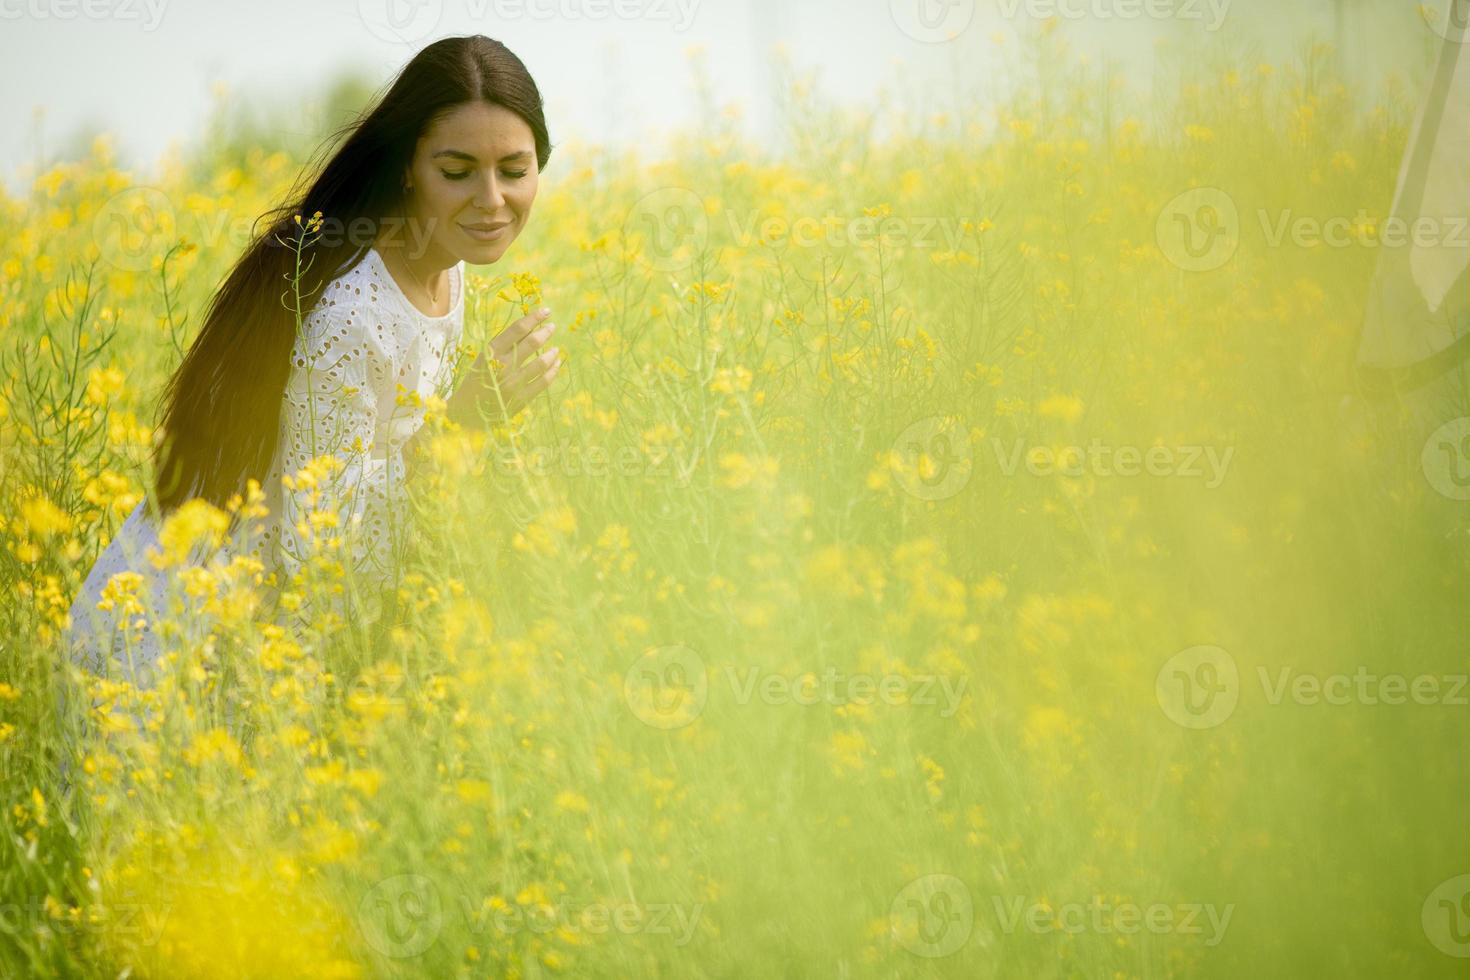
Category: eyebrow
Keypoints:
(471, 158)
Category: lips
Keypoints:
(486, 231)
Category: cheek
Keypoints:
(525, 199)
(446, 201)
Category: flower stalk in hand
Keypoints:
(499, 385)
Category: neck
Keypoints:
(428, 274)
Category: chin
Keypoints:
(484, 253)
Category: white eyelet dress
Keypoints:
(361, 340)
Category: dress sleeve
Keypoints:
(335, 394)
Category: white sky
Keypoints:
(143, 70)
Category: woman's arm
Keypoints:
(339, 369)
(498, 386)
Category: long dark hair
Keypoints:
(222, 406)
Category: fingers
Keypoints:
(515, 341)
(517, 353)
(533, 342)
(542, 382)
(534, 377)
(517, 375)
(533, 368)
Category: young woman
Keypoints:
(442, 171)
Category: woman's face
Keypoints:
(472, 181)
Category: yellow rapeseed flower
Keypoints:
(193, 523)
(1065, 407)
(42, 518)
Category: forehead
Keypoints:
(484, 130)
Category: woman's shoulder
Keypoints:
(353, 289)
(351, 307)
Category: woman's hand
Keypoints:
(505, 382)
(498, 386)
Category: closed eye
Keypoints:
(462, 174)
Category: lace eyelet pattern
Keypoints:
(361, 341)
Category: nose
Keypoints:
(489, 196)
